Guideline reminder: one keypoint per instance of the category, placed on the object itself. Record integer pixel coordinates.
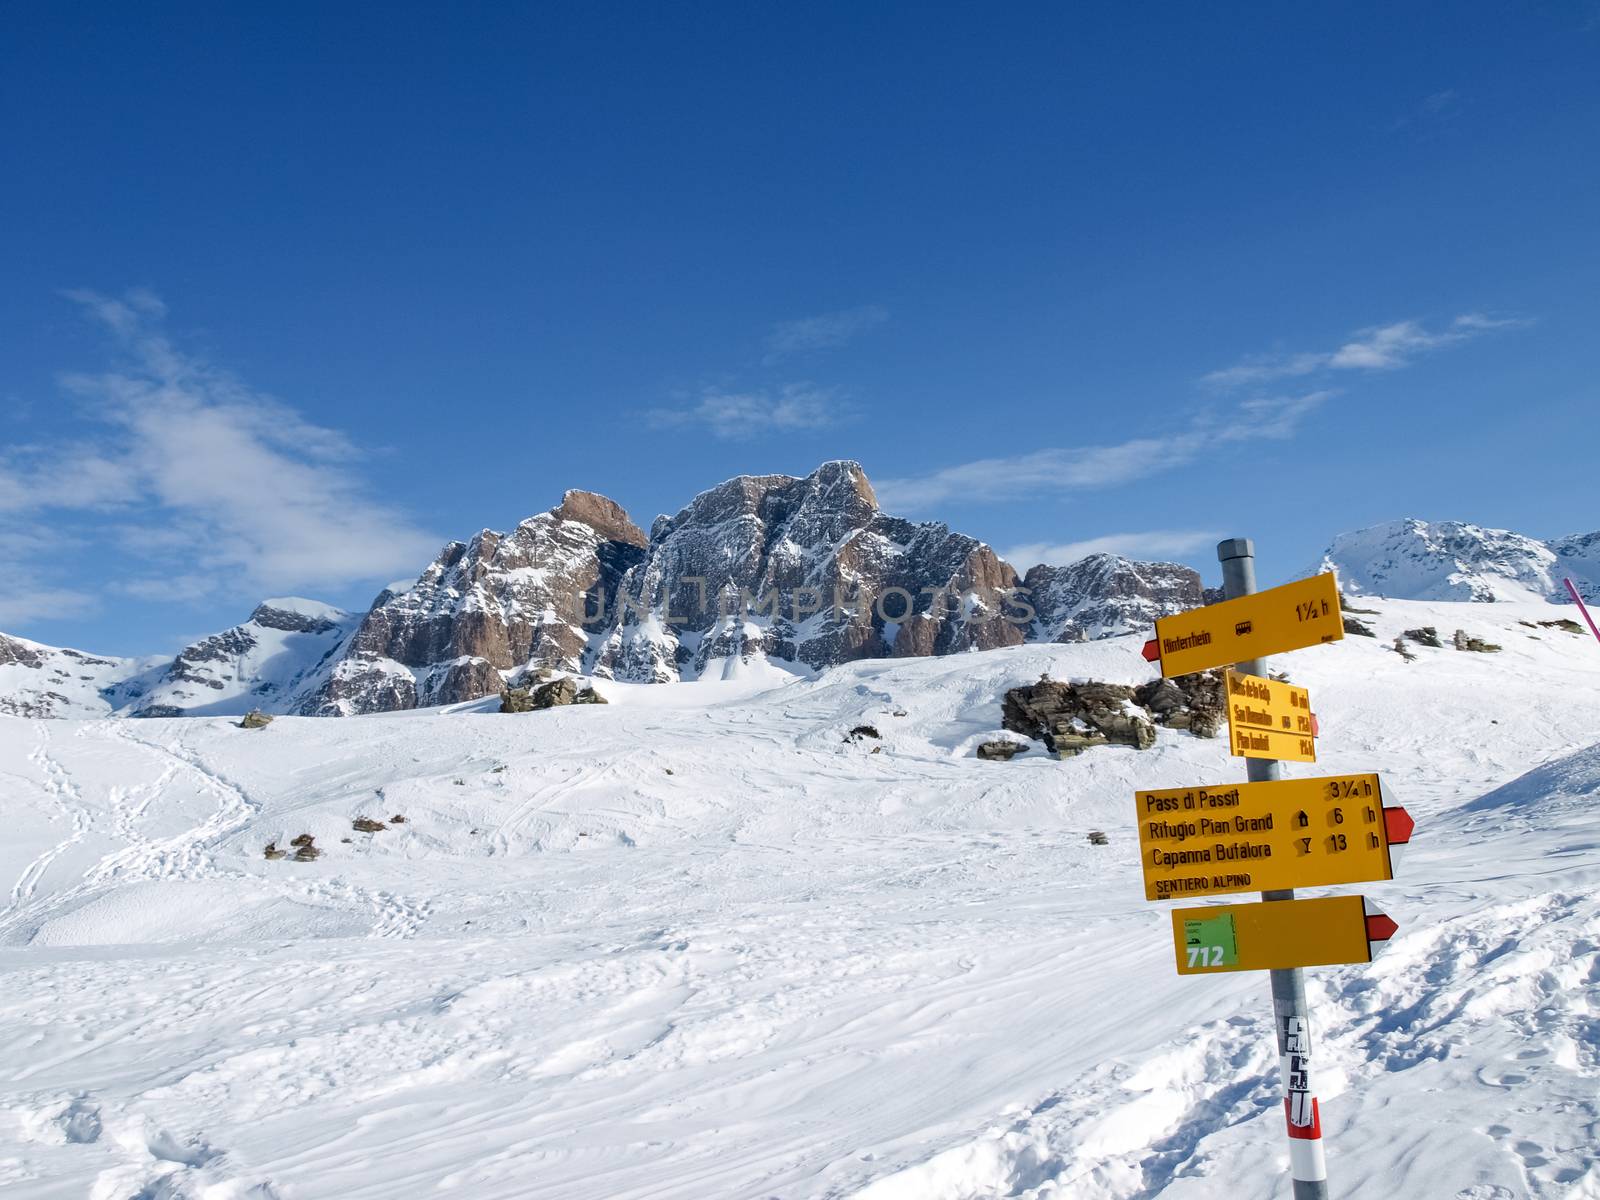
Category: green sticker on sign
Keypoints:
(1209, 941)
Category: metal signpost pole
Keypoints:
(1307, 1163)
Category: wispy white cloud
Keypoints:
(824, 332)
(1432, 109)
(26, 592)
(201, 476)
(1158, 544)
(1377, 348)
(739, 415)
(1078, 468)
(24, 600)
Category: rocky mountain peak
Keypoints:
(294, 615)
(605, 516)
(483, 610)
(804, 570)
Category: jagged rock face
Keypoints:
(805, 570)
(1450, 560)
(1104, 595)
(495, 605)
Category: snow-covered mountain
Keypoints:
(1450, 560)
(1104, 595)
(267, 662)
(761, 571)
(807, 571)
(484, 610)
(51, 681)
(799, 572)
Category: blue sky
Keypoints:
(294, 293)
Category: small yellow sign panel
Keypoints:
(1258, 837)
(1271, 936)
(1244, 742)
(1296, 615)
(1268, 704)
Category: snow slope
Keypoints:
(1452, 560)
(267, 662)
(694, 943)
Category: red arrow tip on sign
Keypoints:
(1381, 927)
(1316, 728)
(1397, 823)
(1152, 650)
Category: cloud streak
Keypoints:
(201, 477)
(825, 332)
(1377, 348)
(1079, 468)
(736, 416)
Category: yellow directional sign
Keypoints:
(1299, 614)
(1268, 718)
(1274, 935)
(1244, 742)
(1256, 837)
(1268, 704)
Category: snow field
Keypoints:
(695, 944)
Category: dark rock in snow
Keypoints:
(1000, 750)
(1071, 718)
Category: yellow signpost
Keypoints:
(1270, 835)
(1291, 617)
(1259, 837)
(1276, 936)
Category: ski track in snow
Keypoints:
(669, 950)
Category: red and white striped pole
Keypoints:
(1308, 1166)
(1578, 600)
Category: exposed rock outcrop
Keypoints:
(482, 609)
(1073, 717)
(808, 571)
(1000, 750)
(538, 693)
(1196, 702)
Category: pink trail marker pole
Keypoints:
(1578, 600)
